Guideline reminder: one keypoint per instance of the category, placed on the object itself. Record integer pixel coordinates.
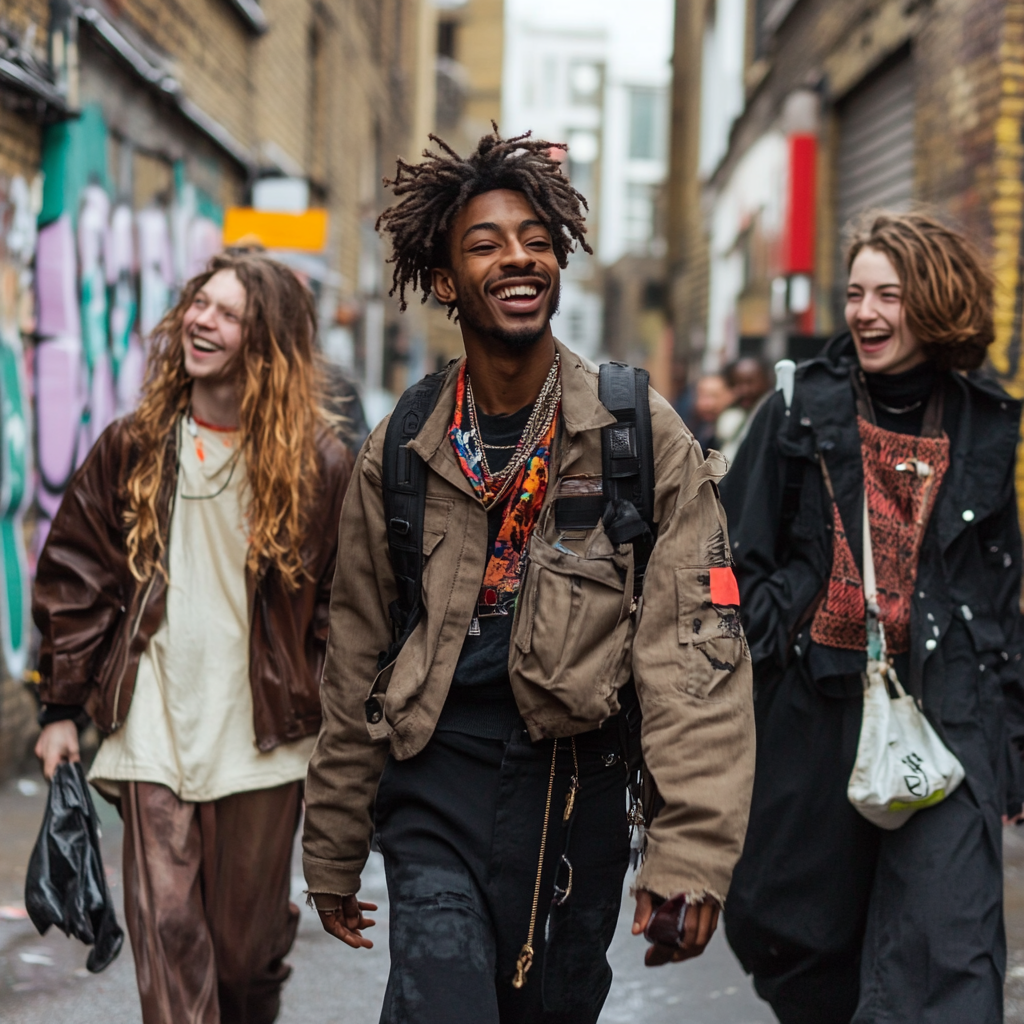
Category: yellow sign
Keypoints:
(306, 232)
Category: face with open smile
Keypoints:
(212, 328)
(504, 275)
(876, 316)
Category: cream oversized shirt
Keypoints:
(190, 725)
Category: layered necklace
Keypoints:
(496, 486)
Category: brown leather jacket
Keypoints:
(96, 618)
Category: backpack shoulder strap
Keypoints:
(404, 480)
(627, 446)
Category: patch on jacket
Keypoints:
(724, 589)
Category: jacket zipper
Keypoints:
(114, 723)
(137, 625)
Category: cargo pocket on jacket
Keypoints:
(436, 514)
(572, 634)
(709, 625)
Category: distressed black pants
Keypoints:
(840, 921)
(460, 828)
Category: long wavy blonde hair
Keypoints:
(282, 410)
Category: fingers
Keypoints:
(642, 914)
(57, 743)
(691, 924)
(349, 921)
(658, 954)
(699, 926)
(708, 923)
(334, 925)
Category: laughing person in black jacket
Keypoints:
(839, 920)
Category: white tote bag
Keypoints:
(902, 765)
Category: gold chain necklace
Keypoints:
(544, 409)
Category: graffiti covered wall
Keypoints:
(89, 263)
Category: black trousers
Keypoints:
(841, 921)
(460, 828)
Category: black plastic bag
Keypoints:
(66, 885)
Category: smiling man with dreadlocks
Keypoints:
(501, 618)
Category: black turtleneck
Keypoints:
(908, 391)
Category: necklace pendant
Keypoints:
(474, 626)
(570, 798)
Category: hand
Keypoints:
(347, 922)
(699, 925)
(1015, 820)
(57, 743)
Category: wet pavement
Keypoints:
(43, 978)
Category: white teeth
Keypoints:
(202, 345)
(527, 290)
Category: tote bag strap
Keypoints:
(868, 574)
(872, 614)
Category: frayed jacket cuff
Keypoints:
(330, 877)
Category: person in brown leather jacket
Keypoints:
(182, 598)
(492, 762)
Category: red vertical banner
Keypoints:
(800, 214)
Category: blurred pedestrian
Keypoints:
(712, 396)
(837, 918)
(750, 382)
(182, 599)
(490, 747)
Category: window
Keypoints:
(446, 38)
(585, 84)
(639, 216)
(645, 127)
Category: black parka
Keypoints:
(966, 641)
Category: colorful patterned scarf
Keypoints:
(899, 506)
(523, 504)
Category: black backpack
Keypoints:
(626, 505)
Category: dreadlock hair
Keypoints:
(433, 192)
(281, 385)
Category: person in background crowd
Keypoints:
(491, 760)
(712, 397)
(182, 600)
(682, 400)
(750, 382)
(341, 397)
(838, 919)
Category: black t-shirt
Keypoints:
(480, 701)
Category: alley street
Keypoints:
(43, 979)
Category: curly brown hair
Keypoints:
(947, 289)
(282, 410)
(433, 192)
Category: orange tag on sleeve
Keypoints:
(724, 589)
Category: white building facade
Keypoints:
(595, 74)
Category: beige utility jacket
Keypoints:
(574, 643)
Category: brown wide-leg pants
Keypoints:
(206, 902)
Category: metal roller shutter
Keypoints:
(876, 150)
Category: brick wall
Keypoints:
(19, 138)
(208, 46)
(19, 145)
(967, 76)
